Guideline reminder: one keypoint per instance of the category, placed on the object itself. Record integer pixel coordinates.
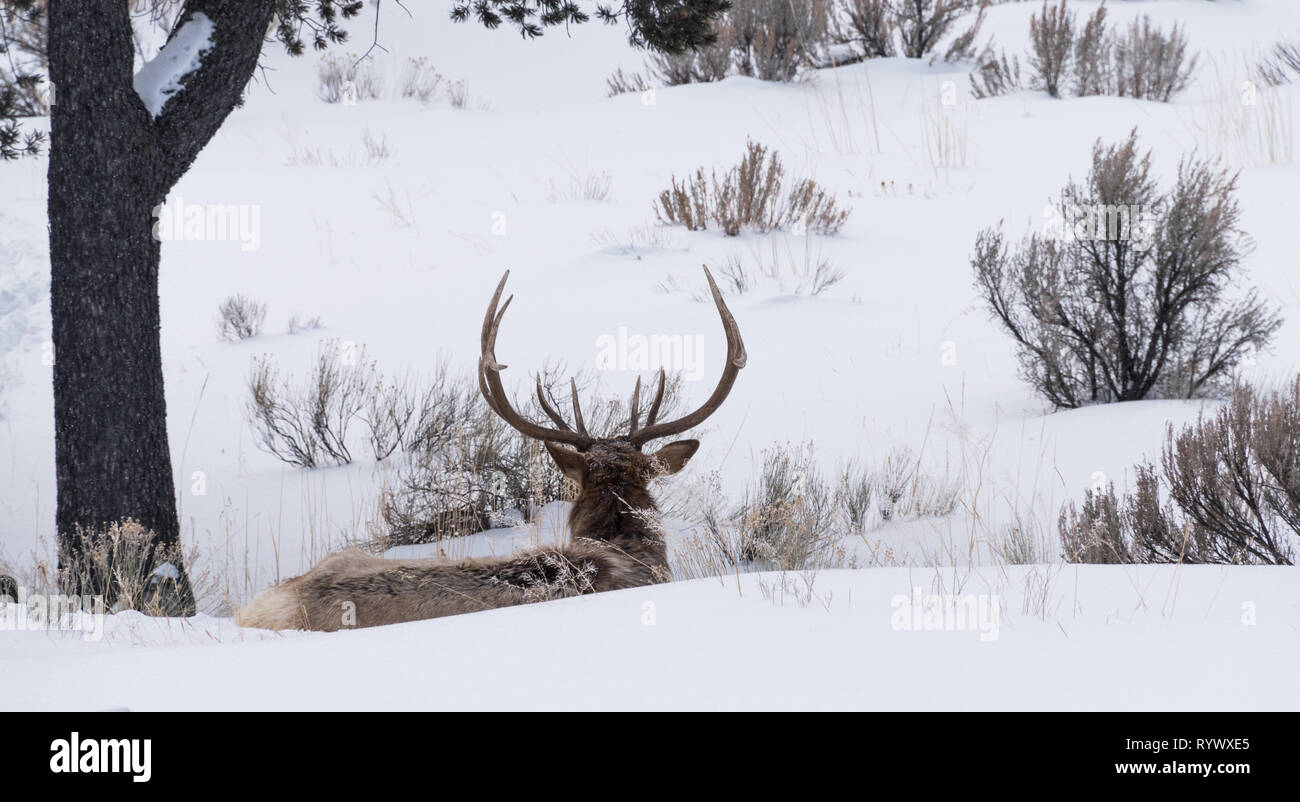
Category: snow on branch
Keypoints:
(160, 78)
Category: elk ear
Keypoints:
(572, 464)
(675, 455)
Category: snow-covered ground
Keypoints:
(401, 255)
(1079, 638)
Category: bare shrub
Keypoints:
(389, 414)
(1143, 63)
(449, 484)
(997, 75)
(750, 195)
(923, 23)
(772, 39)
(1150, 64)
(125, 564)
(308, 426)
(1282, 65)
(239, 318)
(647, 237)
(1233, 493)
(786, 522)
(298, 324)
(812, 272)
(377, 148)
(466, 468)
(587, 186)
(621, 83)
(736, 278)
(1051, 34)
(963, 47)
(824, 276)
(1095, 534)
(344, 79)
(767, 39)
(687, 204)
(703, 65)
(905, 492)
(420, 80)
(1128, 298)
(458, 94)
(792, 518)
(855, 494)
(1093, 70)
(871, 25)
(1022, 542)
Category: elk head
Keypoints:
(612, 465)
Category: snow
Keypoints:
(161, 78)
(1134, 637)
(899, 354)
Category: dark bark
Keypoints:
(111, 163)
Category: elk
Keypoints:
(614, 539)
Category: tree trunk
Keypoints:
(111, 164)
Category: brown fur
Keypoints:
(612, 545)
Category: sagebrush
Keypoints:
(1128, 293)
(239, 317)
(1143, 61)
(1226, 491)
(754, 194)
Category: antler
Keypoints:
(489, 383)
(736, 358)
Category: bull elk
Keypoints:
(613, 543)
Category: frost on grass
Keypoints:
(160, 79)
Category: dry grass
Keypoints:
(399, 210)
(944, 136)
(637, 238)
(1250, 123)
(124, 564)
(585, 186)
(419, 80)
(374, 150)
(794, 518)
(344, 79)
(620, 83)
(795, 264)
(845, 120)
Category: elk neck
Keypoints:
(615, 505)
